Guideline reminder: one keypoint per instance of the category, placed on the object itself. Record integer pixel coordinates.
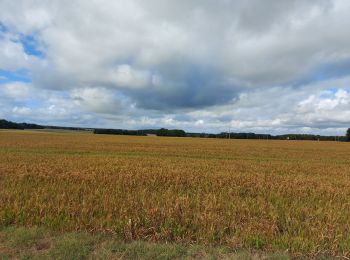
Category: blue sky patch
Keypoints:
(31, 46)
(2, 28)
(11, 76)
(29, 42)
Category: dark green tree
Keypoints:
(348, 135)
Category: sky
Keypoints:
(272, 66)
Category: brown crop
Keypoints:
(270, 195)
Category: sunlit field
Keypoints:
(243, 194)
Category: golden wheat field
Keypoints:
(266, 195)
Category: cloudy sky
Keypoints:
(272, 66)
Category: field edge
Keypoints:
(42, 243)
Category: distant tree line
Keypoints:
(4, 124)
(173, 132)
(118, 132)
(223, 135)
(158, 132)
(67, 128)
(310, 137)
(271, 137)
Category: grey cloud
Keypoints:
(249, 63)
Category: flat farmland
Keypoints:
(253, 194)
